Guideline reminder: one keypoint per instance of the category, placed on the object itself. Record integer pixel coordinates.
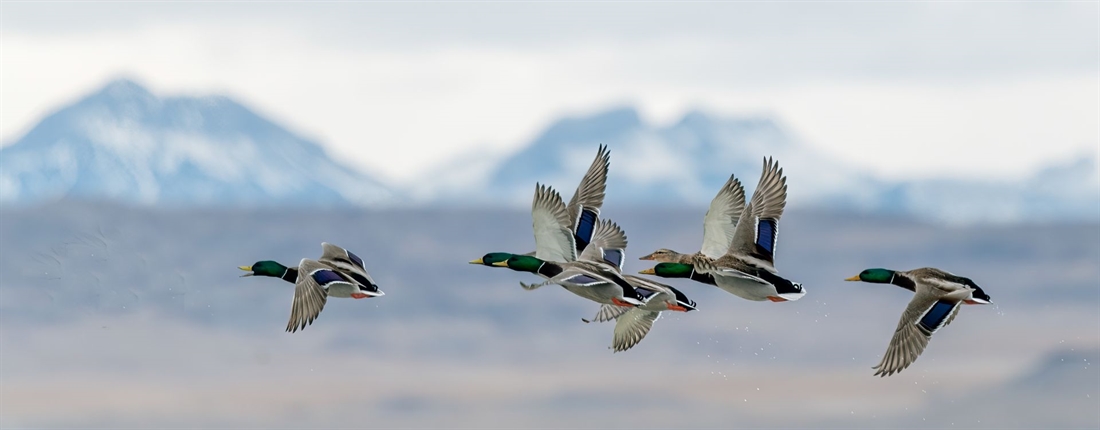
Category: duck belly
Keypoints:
(746, 287)
(341, 290)
(599, 294)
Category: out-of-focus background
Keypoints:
(148, 149)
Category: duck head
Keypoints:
(521, 263)
(663, 255)
(264, 268)
(670, 270)
(491, 258)
(874, 276)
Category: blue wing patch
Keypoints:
(936, 316)
(325, 277)
(582, 280)
(613, 256)
(586, 225)
(766, 230)
(355, 259)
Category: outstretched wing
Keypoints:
(720, 223)
(590, 193)
(924, 315)
(553, 235)
(632, 327)
(608, 245)
(758, 226)
(310, 293)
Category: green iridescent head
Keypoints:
(877, 276)
(670, 270)
(521, 263)
(265, 268)
(492, 257)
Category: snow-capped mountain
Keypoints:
(123, 143)
(686, 162)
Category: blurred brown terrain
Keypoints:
(114, 317)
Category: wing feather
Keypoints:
(347, 262)
(632, 327)
(553, 234)
(909, 340)
(766, 207)
(720, 222)
(309, 296)
(608, 245)
(590, 192)
(609, 313)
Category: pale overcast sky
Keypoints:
(905, 89)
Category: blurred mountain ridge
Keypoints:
(123, 143)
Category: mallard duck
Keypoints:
(936, 300)
(719, 226)
(632, 324)
(338, 273)
(747, 267)
(590, 276)
(593, 281)
(583, 209)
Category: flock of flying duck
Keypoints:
(576, 249)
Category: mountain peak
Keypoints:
(124, 143)
(124, 89)
(602, 125)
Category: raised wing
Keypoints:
(632, 327)
(924, 315)
(347, 262)
(720, 223)
(310, 293)
(553, 236)
(588, 198)
(758, 226)
(608, 245)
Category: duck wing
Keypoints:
(758, 226)
(584, 206)
(720, 222)
(550, 221)
(632, 327)
(310, 292)
(346, 262)
(608, 245)
(925, 314)
(608, 313)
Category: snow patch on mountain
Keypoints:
(123, 143)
